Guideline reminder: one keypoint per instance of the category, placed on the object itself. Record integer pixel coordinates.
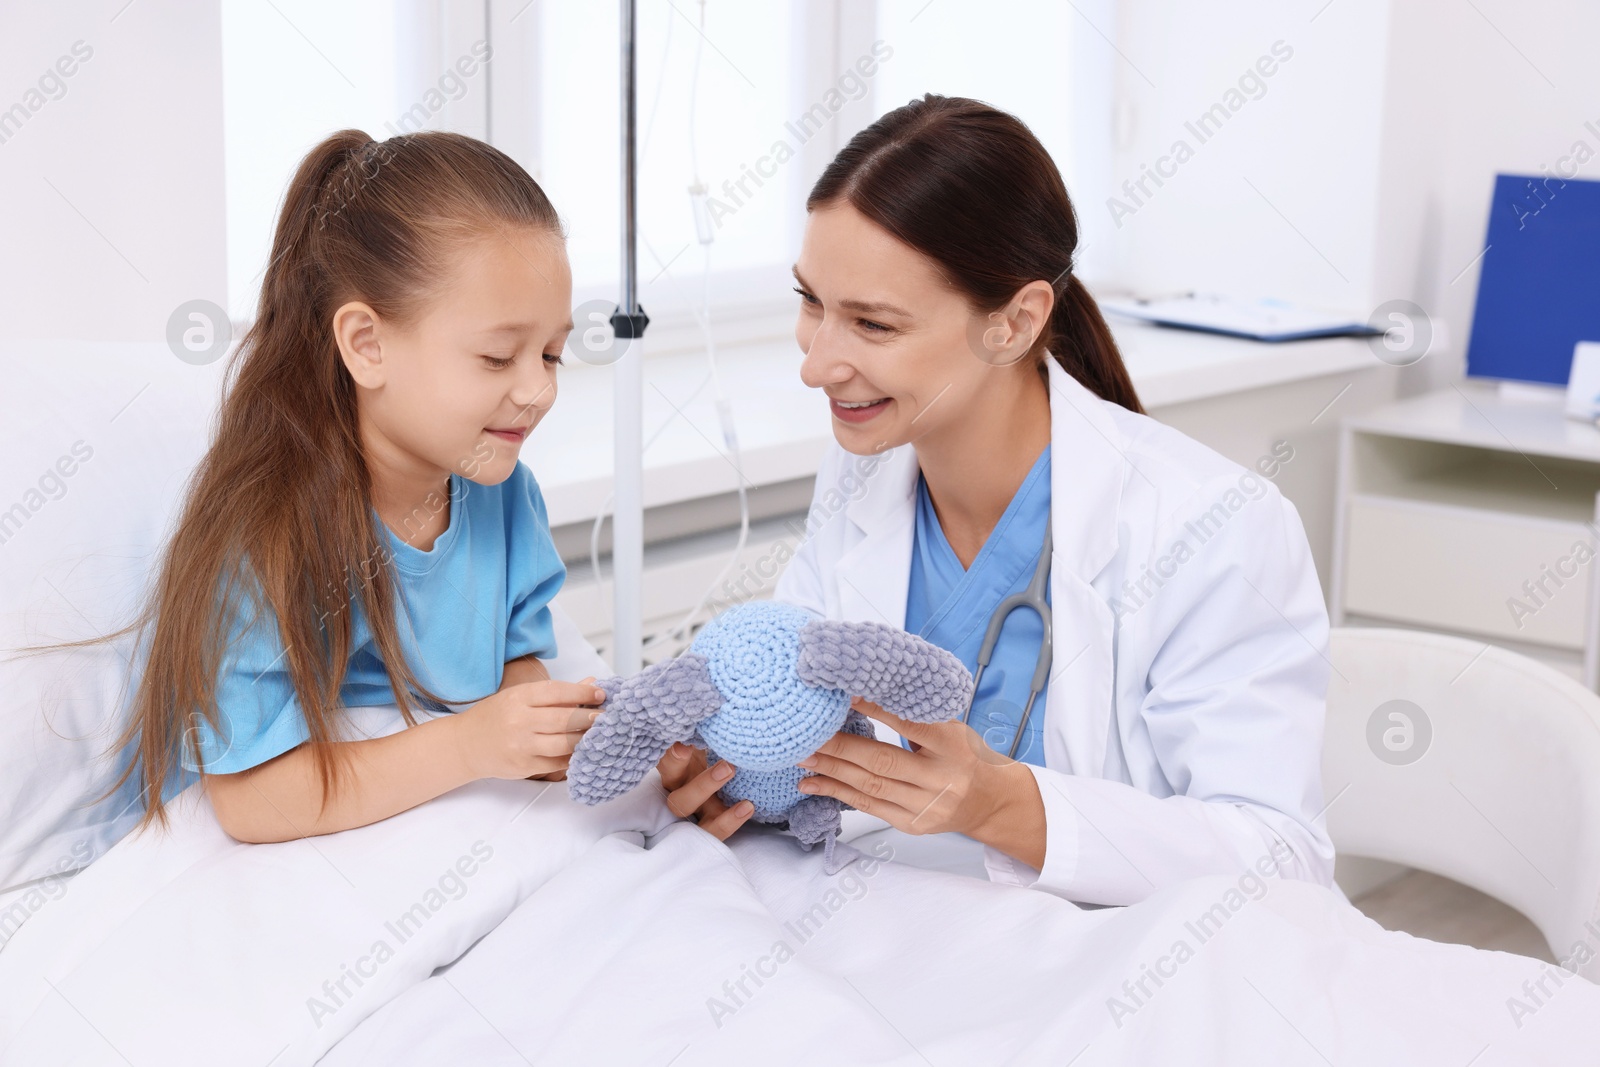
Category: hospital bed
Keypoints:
(503, 923)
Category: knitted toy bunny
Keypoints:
(765, 685)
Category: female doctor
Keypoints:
(977, 395)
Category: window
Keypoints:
(752, 99)
(1042, 60)
(293, 71)
(712, 102)
(1011, 56)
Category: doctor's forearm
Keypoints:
(1016, 826)
(1127, 844)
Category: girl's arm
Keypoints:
(524, 669)
(522, 730)
(280, 800)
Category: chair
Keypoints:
(1472, 762)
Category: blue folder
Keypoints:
(1539, 285)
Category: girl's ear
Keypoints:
(355, 328)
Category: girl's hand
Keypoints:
(692, 791)
(953, 781)
(526, 730)
(561, 775)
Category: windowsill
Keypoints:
(784, 428)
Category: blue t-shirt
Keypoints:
(950, 606)
(475, 600)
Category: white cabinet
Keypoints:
(1473, 511)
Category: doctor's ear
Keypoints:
(1006, 336)
(355, 328)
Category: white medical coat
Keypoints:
(1183, 722)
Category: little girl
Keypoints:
(360, 531)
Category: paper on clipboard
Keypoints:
(1260, 320)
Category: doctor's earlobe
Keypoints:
(1005, 336)
(988, 337)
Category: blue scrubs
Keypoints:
(475, 600)
(950, 606)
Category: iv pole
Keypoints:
(628, 323)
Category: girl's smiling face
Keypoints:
(460, 388)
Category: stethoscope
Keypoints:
(1031, 597)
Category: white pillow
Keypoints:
(99, 440)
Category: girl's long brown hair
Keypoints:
(281, 503)
(972, 188)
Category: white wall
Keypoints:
(1377, 141)
(1374, 147)
(1494, 86)
(112, 184)
(1281, 200)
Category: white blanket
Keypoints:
(504, 924)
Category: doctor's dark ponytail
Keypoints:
(972, 188)
(1082, 343)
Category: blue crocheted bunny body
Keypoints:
(763, 686)
(769, 718)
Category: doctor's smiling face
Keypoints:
(938, 280)
(900, 352)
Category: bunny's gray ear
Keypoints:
(641, 718)
(900, 672)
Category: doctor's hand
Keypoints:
(952, 782)
(692, 791)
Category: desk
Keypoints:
(1237, 396)
(784, 427)
(1472, 512)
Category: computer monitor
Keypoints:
(1539, 285)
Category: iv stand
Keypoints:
(628, 323)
